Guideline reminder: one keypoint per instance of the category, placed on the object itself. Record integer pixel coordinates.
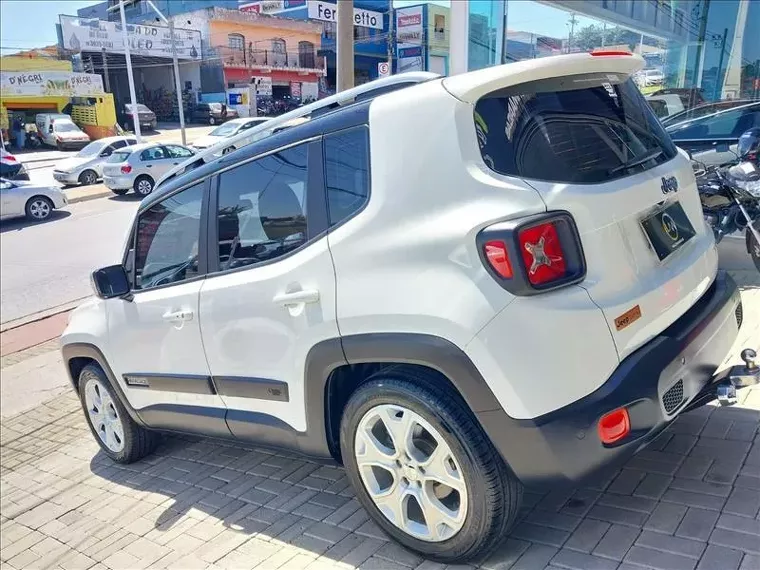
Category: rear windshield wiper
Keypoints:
(636, 161)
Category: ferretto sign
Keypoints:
(328, 12)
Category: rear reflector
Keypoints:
(498, 258)
(542, 253)
(614, 426)
(603, 53)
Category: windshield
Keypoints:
(92, 149)
(590, 128)
(225, 130)
(65, 127)
(140, 108)
(119, 156)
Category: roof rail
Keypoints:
(347, 97)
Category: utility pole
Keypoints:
(572, 22)
(718, 83)
(105, 70)
(175, 63)
(133, 97)
(345, 56)
(701, 43)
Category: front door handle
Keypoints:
(178, 316)
(297, 297)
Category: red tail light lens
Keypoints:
(498, 256)
(126, 169)
(542, 253)
(614, 426)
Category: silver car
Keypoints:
(86, 167)
(138, 167)
(20, 198)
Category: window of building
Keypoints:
(262, 209)
(279, 46)
(166, 247)
(328, 30)
(439, 27)
(306, 55)
(236, 42)
(361, 33)
(346, 172)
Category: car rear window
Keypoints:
(119, 157)
(579, 129)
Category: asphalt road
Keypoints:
(48, 264)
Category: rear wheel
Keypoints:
(116, 432)
(38, 208)
(211, 121)
(88, 177)
(424, 469)
(143, 185)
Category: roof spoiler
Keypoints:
(469, 87)
(347, 97)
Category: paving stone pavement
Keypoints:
(689, 501)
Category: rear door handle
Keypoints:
(297, 297)
(178, 316)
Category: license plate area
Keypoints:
(667, 229)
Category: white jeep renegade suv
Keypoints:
(452, 286)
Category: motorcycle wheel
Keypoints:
(753, 247)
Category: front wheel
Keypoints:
(143, 185)
(120, 438)
(424, 469)
(211, 121)
(88, 177)
(39, 208)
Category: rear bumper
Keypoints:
(562, 447)
(118, 182)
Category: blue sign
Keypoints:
(293, 3)
(235, 98)
(415, 51)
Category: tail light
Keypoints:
(535, 254)
(603, 53)
(9, 157)
(126, 169)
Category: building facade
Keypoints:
(421, 38)
(371, 19)
(706, 45)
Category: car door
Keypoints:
(178, 154)
(155, 161)
(272, 294)
(11, 200)
(156, 349)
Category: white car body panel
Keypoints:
(13, 201)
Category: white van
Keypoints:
(57, 129)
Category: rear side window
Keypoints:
(580, 129)
(346, 172)
(119, 157)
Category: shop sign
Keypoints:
(328, 12)
(50, 84)
(83, 34)
(263, 85)
(409, 25)
(270, 6)
(234, 98)
(295, 89)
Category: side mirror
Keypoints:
(722, 147)
(110, 282)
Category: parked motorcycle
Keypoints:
(730, 194)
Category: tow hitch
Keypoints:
(738, 377)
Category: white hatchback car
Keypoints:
(139, 167)
(21, 198)
(452, 286)
(86, 167)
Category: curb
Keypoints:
(87, 197)
(47, 313)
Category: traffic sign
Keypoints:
(383, 69)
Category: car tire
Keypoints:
(211, 121)
(59, 146)
(88, 177)
(118, 435)
(119, 191)
(38, 208)
(752, 246)
(484, 496)
(143, 185)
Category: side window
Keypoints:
(166, 246)
(346, 172)
(153, 153)
(179, 151)
(262, 209)
(118, 144)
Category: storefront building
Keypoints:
(371, 18)
(421, 36)
(706, 45)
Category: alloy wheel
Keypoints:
(104, 416)
(144, 187)
(39, 209)
(89, 178)
(410, 473)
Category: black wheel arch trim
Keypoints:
(90, 351)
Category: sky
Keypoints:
(26, 24)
